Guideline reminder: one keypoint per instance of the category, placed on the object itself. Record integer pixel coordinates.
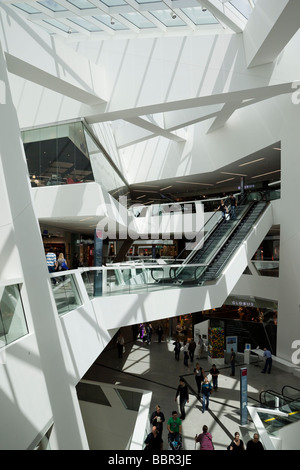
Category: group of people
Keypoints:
(55, 263)
(154, 441)
(189, 350)
(226, 212)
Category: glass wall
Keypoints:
(67, 154)
(57, 155)
(12, 318)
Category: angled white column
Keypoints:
(270, 27)
(44, 359)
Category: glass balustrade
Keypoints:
(12, 317)
(66, 292)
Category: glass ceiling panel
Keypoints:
(165, 16)
(200, 17)
(243, 6)
(138, 20)
(111, 22)
(27, 8)
(85, 24)
(113, 3)
(81, 4)
(52, 5)
(149, 15)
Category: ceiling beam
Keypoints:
(270, 27)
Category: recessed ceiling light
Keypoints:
(253, 161)
(264, 174)
(235, 174)
(167, 187)
(224, 181)
(140, 197)
(190, 182)
(276, 148)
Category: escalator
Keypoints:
(287, 402)
(218, 247)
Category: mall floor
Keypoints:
(153, 367)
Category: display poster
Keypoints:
(231, 343)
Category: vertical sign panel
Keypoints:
(98, 248)
(244, 395)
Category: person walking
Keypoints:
(199, 377)
(254, 444)
(174, 427)
(183, 393)
(215, 374)
(237, 443)
(153, 442)
(157, 419)
(185, 354)
(205, 439)
(206, 391)
(232, 362)
(268, 362)
(191, 349)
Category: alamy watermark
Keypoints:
(296, 353)
(296, 93)
(176, 221)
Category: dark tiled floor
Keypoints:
(153, 367)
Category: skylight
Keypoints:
(105, 18)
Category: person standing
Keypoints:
(268, 362)
(183, 393)
(157, 419)
(191, 349)
(120, 345)
(223, 208)
(215, 374)
(159, 333)
(199, 377)
(233, 205)
(177, 347)
(232, 362)
(205, 439)
(201, 346)
(51, 263)
(206, 391)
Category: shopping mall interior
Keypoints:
(153, 146)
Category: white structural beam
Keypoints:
(270, 27)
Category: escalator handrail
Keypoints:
(208, 233)
(275, 394)
(289, 386)
(224, 241)
(235, 246)
(219, 222)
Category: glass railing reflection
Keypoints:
(139, 278)
(12, 317)
(267, 267)
(66, 292)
